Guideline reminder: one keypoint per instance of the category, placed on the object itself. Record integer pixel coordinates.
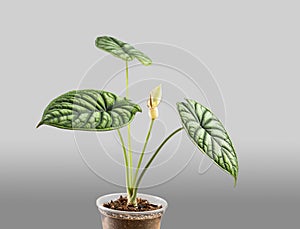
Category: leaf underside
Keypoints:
(207, 132)
(89, 110)
(121, 49)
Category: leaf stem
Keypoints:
(127, 81)
(130, 183)
(143, 152)
(152, 158)
(125, 157)
(130, 156)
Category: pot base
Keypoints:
(109, 222)
(115, 219)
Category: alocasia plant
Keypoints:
(95, 110)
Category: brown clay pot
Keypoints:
(114, 219)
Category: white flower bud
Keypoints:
(154, 101)
(153, 113)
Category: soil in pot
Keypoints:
(121, 205)
(126, 220)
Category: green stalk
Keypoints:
(143, 152)
(130, 155)
(151, 160)
(125, 158)
(127, 81)
(130, 172)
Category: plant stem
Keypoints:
(151, 160)
(125, 157)
(130, 156)
(143, 152)
(130, 178)
(127, 81)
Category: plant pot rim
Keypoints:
(151, 198)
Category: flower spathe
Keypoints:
(154, 101)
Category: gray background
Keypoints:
(252, 49)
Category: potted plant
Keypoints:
(98, 110)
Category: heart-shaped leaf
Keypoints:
(121, 49)
(207, 132)
(90, 110)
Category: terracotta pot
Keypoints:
(114, 219)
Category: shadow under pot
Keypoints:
(116, 219)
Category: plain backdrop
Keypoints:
(251, 47)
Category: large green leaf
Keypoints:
(121, 49)
(90, 110)
(208, 133)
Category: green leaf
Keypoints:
(207, 132)
(90, 110)
(121, 49)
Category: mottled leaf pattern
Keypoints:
(90, 110)
(121, 49)
(208, 133)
